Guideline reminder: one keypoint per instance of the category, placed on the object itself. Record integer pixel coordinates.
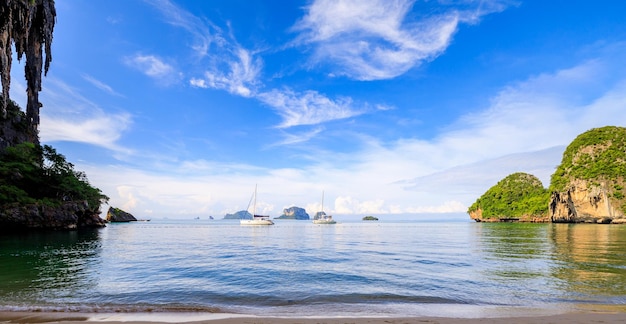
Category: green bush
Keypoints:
(598, 154)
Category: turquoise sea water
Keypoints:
(401, 266)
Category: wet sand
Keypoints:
(197, 318)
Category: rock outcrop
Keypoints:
(294, 213)
(116, 215)
(69, 215)
(588, 185)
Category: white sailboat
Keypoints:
(321, 217)
(256, 219)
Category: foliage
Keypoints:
(31, 173)
(519, 194)
(598, 154)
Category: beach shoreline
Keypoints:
(222, 318)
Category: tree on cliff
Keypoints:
(29, 24)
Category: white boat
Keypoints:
(256, 219)
(321, 217)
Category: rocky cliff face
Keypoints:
(116, 215)
(70, 215)
(584, 202)
(15, 129)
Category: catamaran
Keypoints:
(256, 219)
(321, 217)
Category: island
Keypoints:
(296, 213)
(242, 214)
(370, 218)
(587, 186)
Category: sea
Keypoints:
(400, 265)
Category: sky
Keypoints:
(179, 108)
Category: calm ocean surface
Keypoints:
(398, 266)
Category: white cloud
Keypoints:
(291, 138)
(100, 130)
(524, 129)
(203, 31)
(153, 67)
(374, 39)
(69, 116)
(101, 85)
(308, 107)
(230, 67)
(240, 78)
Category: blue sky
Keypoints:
(178, 108)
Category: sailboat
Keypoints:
(321, 217)
(256, 219)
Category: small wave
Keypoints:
(111, 308)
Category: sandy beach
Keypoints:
(147, 318)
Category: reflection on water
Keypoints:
(567, 262)
(383, 267)
(592, 258)
(36, 264)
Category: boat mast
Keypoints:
(254, 208)
(322, 213)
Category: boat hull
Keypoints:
(325, 220)
(256, 222)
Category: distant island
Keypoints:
(294, 213)
(242, 214)
(370, 218)
(116, 215)
(587, 187)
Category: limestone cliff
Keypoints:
(14, 129)
(588, 185)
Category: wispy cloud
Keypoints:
(307, 108)
(101, 85)
(100, 130)
(240, 77)
(204, 32)
(150, 65)
(69, 116)
(230, 67)
(292, 138)
(227, 65)
(375, 39)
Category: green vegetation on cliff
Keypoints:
(31, 173)
(598, 154)
(598, 157)
(519, 194)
